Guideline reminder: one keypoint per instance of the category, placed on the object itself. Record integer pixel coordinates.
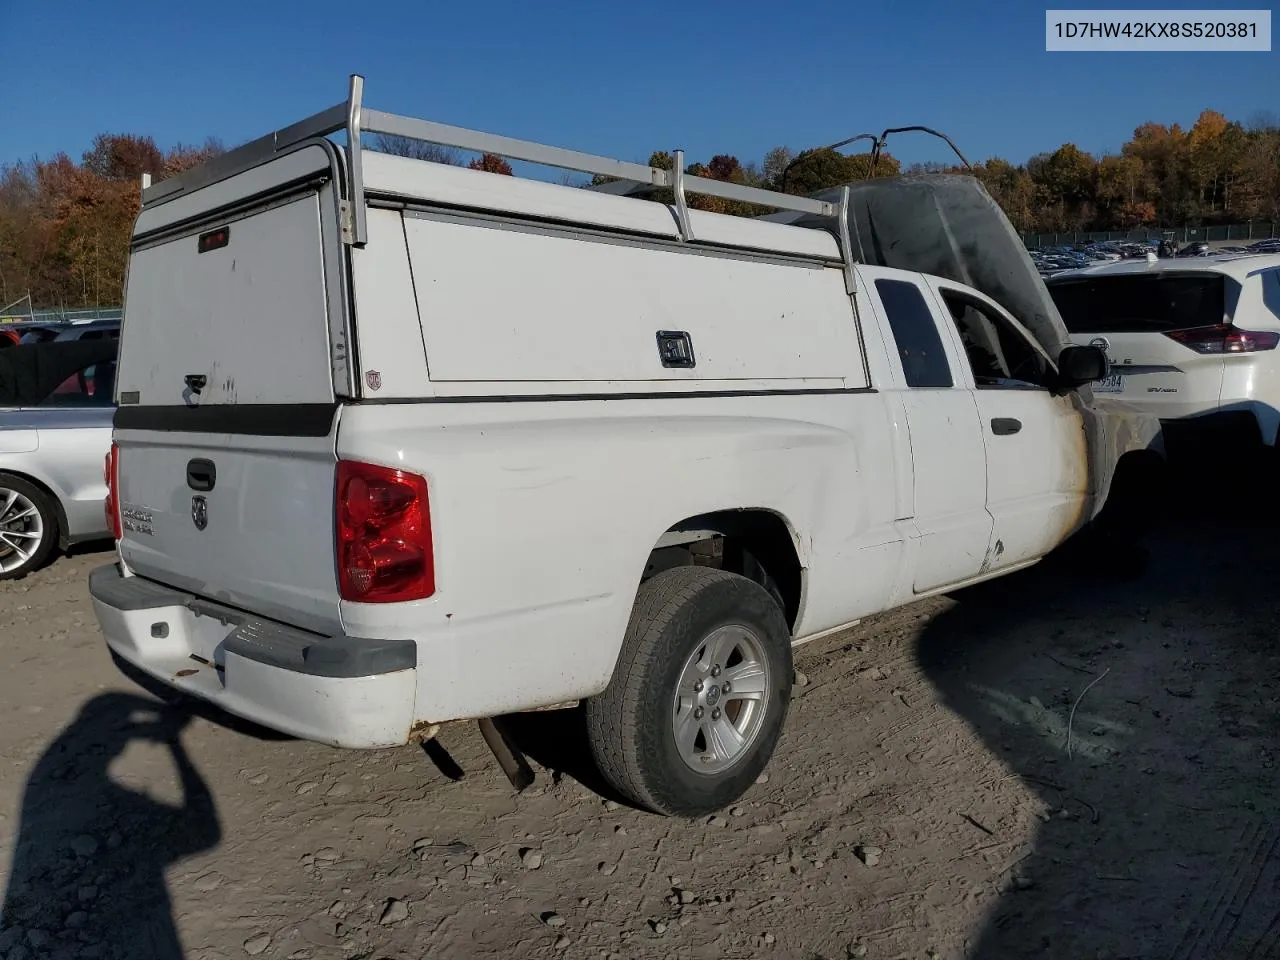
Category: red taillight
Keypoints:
(384, 548)
(1224, 338)
(111, 476)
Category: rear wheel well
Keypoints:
(756, 544)
(53, 498)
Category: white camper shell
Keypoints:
(401, 443)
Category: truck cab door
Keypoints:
(1037, 462)
(949, 464)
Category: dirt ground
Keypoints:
(1146, 825)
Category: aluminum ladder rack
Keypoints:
(353, 118)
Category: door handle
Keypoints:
(1004, 426)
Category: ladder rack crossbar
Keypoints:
(376, 121)
(352, 117)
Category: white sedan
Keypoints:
(56, 407)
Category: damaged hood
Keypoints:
(948, 225)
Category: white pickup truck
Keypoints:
(400, 443)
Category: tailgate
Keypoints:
(227, 419)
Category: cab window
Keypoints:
(1000, 355)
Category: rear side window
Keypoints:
(1271, 291)
(923, 361)
(1154, 303)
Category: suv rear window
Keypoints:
(1129, 303)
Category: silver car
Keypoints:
(56, 407)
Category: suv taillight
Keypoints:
(1224, 338)
(384, 551)
(111, 476)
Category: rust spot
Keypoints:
(423, 731)
(185, 673)
(1080, 462)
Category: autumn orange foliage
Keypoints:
(64, 226)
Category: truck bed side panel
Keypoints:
(544, 513)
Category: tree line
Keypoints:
(65, 225)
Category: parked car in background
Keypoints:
(28, 331)
(1193, 341)
(1136, 251)
(72, 330)
(56, 405)
(91, 330)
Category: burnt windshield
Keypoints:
(1150, 303)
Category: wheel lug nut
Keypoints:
(697, 713)
(715, 714)
(715, 671)
(724, 687)
(697, 687)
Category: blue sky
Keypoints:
(608, 78)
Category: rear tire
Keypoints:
(666, 733)
(28, 527)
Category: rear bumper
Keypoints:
(344, 691)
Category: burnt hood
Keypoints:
(949, 226)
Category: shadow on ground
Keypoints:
(194, 706)
(557, 740)
(1161, 793)
(88, 874)
(87, 547)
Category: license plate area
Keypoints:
(1113, 383)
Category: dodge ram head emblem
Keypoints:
(200, 512)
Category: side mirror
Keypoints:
(1080, 365)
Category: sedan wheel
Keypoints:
(28, 528)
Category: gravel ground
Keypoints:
(1052, 765)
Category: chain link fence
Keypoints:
(22, 313)
(1244, 232)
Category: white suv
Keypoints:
(1191, 341)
